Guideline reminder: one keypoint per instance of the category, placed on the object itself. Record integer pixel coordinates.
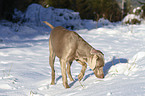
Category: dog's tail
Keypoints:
(51, 26)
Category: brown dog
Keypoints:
(68, 46)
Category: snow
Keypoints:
(24, 67)
(5, 86)
(138, 9)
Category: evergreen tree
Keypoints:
(108, 9)
(89, 9)
(59, 3)
(84, 8)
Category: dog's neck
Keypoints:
(84, 50)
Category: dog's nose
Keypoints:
(102, 76)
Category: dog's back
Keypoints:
(63, 42)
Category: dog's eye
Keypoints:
(100, 66)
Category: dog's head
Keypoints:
(96, 62)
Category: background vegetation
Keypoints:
(91, 9)
(88, 9)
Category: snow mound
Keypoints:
(35, 14)
(69, 19)
(127, 68)
(123, 68)
(138, 56)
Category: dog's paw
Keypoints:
(66, 85)
(52, 83)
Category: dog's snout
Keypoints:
(102, 76)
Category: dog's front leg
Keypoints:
(84, 66)
(69, 71)
(63, 72)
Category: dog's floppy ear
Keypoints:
(92, 62)
(97, 52)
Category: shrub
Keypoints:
(134, 18)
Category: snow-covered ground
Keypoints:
(25, 71)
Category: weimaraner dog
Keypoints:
(68, 46)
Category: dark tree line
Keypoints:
(91, 9)
(7, 7)
(88, 9)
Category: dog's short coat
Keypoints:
(68, 46)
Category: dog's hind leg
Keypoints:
(63, 71)
(69, 71)
(51, 63)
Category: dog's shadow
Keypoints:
(106, 68)
(71, 84)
